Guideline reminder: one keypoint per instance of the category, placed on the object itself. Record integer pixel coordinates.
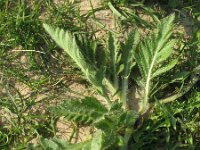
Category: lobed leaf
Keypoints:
(83, 111)
(58, 144)
(128, 51)
(67, 41)
(164, 69)
(127, 59)
(153, 51)
(166, 51)
(113, 55)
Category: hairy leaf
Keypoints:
(67, 41)
(152, 53)
(113, 55)
(83, 111)
(58, 144)
(164, 69)
(127, 61)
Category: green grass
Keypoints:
(29, 59)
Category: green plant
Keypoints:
(149, 56)
(110, 75)
(171, 126)
(110, 124)
(25, 65)
(17, 123)
(33, 77)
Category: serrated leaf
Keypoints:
(166, 25)
(153, 50)
(112, 47)
(105, 124)
(113, 51)
(58, 144)
(128, 51)
(127, 59)
(49, 144)
(83, 111)
(67, 41)
(166, 51)
(164, 69)
(128, 118)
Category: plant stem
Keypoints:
(124, 91)
(128, 133)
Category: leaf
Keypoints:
(128, 118)
(113, 51)
(166, 26)
(97, 140)
(67, 41)
(127, 57)
(105, 124)
(153, 51)
(164, 69)
(58, 144)
(166, 51)
(128, 51)
(49, 144)
(83, 111)
(87, 46)
(167, 114)
(121, 68)
(115, 11)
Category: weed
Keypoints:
(149, 56)
(136, 76)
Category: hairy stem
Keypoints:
(124, 91)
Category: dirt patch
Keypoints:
(70, 132)
(101, 19)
